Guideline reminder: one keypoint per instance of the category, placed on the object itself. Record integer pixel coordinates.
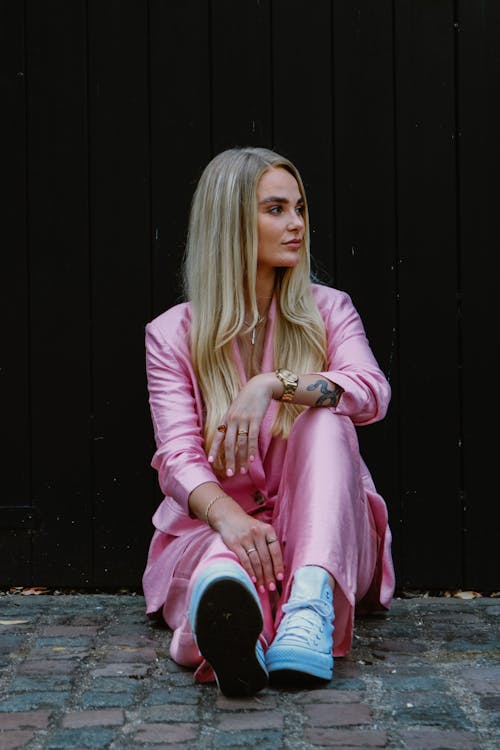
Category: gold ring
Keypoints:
(252, 549)
(221, 428)
(270, 541)
(242, 432)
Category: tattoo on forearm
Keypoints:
(330, 393)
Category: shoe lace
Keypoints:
(303, 619)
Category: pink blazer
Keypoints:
(176, 410)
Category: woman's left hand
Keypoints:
(239, 443)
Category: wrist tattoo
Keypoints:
(330, 392)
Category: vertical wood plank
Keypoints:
(365, 208)
(121, 286)
(241, 74)
(302, 113)
(58, 249)
(15, 546)
(430, 406)
(180, 132)
(479, 151)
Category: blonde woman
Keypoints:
(271, 528)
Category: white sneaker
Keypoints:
(303, 644)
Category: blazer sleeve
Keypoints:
(352, 365)
(180, 459)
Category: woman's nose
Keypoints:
(296, 221)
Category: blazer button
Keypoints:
(259, 498)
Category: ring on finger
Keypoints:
(272, 539)
(251, 549)
(243, 432)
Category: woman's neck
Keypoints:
(264, 290)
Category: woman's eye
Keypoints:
(275, 210)
(300, 210)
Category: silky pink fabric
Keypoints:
(314, 487)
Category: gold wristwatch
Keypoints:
(290, 382)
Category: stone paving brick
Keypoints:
(67, 631)
(431, 739)
(170, 712)
(94, 699)
(346, 738)
(117, 654)
(123, 669)
(49, 666)
(173, 695)
(269, 740)
(87, 737)
(256, 720)
(15, 739)
(166, 733)
(332, 715)
(93, 718)
(329, 696)
(24, 720)
(33, 700)
(260, 702)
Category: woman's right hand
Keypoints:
(254, 542)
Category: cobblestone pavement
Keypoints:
(90, 671)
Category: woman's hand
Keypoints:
(239, 443)
(254, 542)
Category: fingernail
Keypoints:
(272, 586)
(229, 473)
(251, 459)
(280, 576)
(210, 459)
(262, 589)
(254, 580)
(243, 470)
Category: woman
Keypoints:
(256, 385)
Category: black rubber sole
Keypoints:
(228, 624)
(290, 678)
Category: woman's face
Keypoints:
(280, 220)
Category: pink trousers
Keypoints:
(322, 516)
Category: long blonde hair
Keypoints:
(220, 267)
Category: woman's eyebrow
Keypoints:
(277, 199)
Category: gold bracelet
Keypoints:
(218, 497)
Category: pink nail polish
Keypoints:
(243, 470)
(210, 459)
(254, 580)
(262, 589)
(280, 576)
(229, 473)
(251, 459)
(272, 586)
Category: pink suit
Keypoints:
(314, 487)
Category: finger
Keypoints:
(229, 448)
(252, 442)
(276, 554)
(257, 571)
(217, 441)
(265, 559)
(246, 562)
(242, 447)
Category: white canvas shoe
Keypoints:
(303, 644)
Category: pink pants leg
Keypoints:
(323, 516)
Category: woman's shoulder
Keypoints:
(327, 296)
(173, 324)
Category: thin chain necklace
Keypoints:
(260, 320)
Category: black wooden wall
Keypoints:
(111, 108)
